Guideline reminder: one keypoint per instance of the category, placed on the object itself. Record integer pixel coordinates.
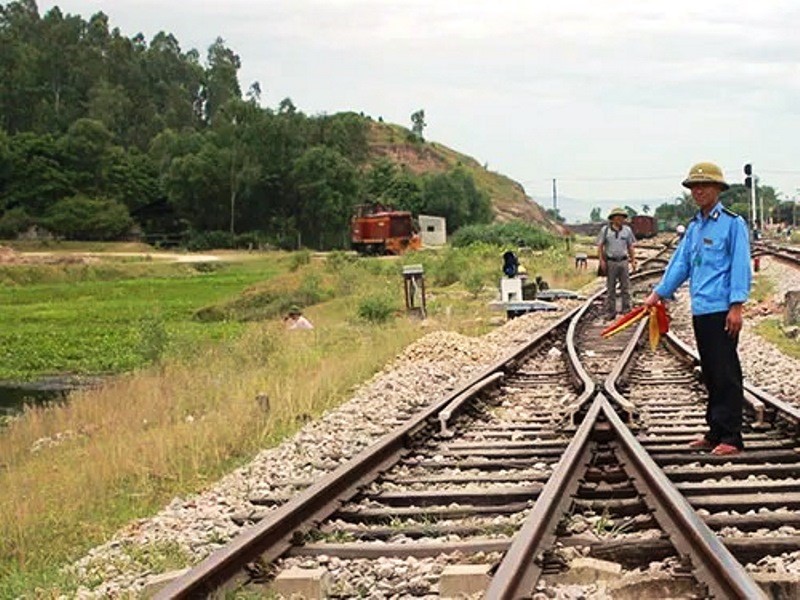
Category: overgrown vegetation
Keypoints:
(513, 234)
(773, 331)
(73, 474)
(378, 308)
(109, 318)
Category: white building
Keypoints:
(432, 230)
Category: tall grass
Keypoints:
(73, 474)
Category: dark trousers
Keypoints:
(722, 375)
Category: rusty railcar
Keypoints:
(381, 230)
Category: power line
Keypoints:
(777, 172)
(649, 177)
(653, 178)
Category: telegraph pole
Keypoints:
(555, 196)
(750, 183)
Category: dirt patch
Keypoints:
(765, 308)
(415, 159)
(9, 256)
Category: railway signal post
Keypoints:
(750, 184)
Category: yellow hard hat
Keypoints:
(705, 172)
(618, 211)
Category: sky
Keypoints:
(614, 100)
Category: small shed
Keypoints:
(432, 230)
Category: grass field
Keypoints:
(182, 412)
(106, 318)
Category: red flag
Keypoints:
(625, 321)
(658, 326)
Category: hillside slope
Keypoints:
(509, 200)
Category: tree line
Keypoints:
(103, 134)
(736, 198)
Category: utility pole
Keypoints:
(555, 196)
(750, 183)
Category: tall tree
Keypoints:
(37, 177)
(326, 185)
(454, 196)
(19, 26)
(236, 127)
(221, 83)
(418, 123)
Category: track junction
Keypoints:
(569, 448)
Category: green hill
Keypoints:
(509, 200)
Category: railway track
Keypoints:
(782, 252)
(569, 449)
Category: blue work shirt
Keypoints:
(715, 254)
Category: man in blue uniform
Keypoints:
(714, 254)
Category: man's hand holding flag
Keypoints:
(658, 326)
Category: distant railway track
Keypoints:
(567, 432)
(784, 253)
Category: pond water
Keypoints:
(14, 395)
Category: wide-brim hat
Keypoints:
(621, 212)
(295, 310)
(705, 172)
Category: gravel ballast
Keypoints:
(425, 372)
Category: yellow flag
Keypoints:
(655, 333)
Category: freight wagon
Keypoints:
(644, 226)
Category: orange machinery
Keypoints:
(375, 229)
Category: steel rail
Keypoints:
(582, 378)
(756, 397)
(725, 576)
(784, 253)
(519, 570)
(456, 406)
(714, 565)
(622, 365)
(271, 537)
(658, 258)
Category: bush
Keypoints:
(376, 309)
(299, 259)
(474, 282)
(450, 270)
(211, 314)
(14, 221)
(210, 240)
(152, 338)
(207, 267)
(515, 233)
(311, 290)
(84, 218)
(338, 260)
(252, 240)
